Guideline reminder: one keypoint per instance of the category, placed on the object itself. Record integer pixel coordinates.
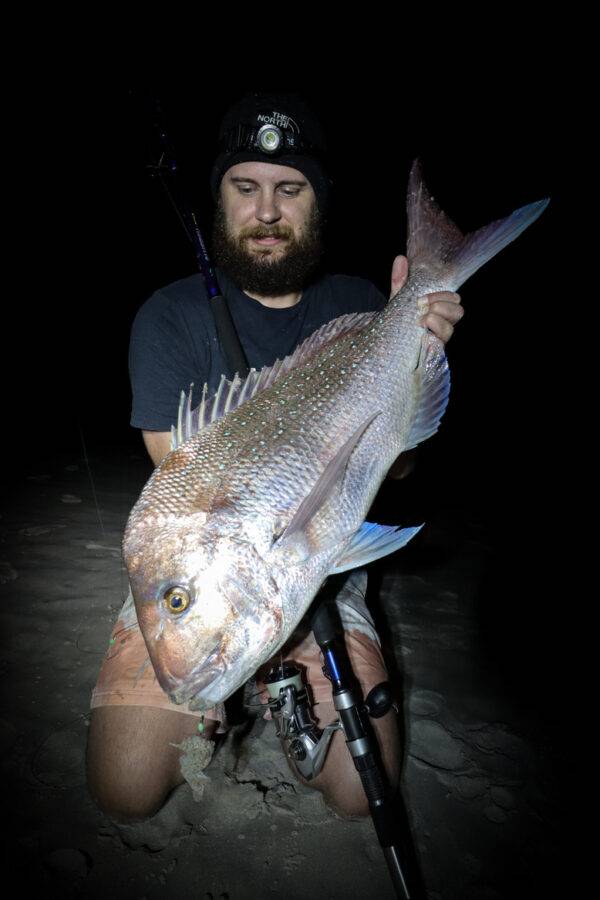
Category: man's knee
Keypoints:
(126, 802)
(132, 766)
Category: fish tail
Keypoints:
(436, 243)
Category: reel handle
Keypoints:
(379, 700)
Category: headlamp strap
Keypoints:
(248, 137)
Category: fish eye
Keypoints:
(176, 600)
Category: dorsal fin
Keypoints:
(231, 394)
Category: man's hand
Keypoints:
(444, 309)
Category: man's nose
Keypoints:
(267, 209)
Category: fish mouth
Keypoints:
(199, 678)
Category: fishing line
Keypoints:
(87, 462)
(95, 496)
(179, 214)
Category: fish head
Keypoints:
(207, 605)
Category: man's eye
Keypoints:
(290, 192)
(245, 188)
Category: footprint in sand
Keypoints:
(432, 744)
(498, 738)
(426, 703)
(494, 814)
(503, 798)
(468, 787)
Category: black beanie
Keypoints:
(302, 147)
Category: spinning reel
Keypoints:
(303, 741)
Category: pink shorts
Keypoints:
(127, 678)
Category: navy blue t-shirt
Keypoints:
(174, 339)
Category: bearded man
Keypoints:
(271, 204)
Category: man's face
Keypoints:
(267, 229)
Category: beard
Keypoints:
(264, 271)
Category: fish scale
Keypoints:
(308, 398)
(265, 492)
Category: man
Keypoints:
(271, 203)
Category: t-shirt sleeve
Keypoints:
(162, 362)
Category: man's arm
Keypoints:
(158, 444)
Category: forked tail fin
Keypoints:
(435, 242)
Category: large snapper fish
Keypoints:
(265, 492)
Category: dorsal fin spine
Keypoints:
(230, 395)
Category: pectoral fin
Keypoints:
(371, 542)
(333, 471)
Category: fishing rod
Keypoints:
(306, 744)
(167, 172)
(362, 744)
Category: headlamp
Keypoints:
(269, 138)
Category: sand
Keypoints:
(483, 771)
